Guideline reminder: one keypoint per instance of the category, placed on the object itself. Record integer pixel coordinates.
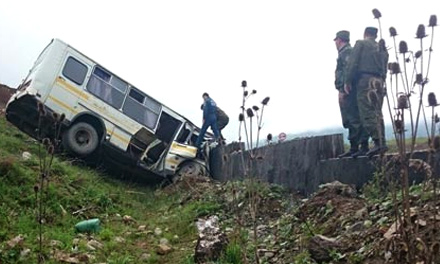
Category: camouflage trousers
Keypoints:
(351, 119)
(370, 94)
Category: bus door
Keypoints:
(180, 149)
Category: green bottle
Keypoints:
(91, 225)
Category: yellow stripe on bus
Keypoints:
(186, 149)
(121, 138)
(62, 104)
(71, 88)
(172, 161)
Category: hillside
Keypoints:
(144, 224)
(5, 93)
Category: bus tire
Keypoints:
(81, 139)
(189, 169)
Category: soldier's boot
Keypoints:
(377, 149)
(362, 151)
(353, 149)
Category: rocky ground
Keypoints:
(335, 225)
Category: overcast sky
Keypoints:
(176, 50)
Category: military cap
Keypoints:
(371, 31)
(343, 35)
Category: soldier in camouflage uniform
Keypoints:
(366, 72)
(348, 102)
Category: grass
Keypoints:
(421, 144)
(77, 193)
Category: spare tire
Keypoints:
(81, 139)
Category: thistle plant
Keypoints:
(45, 157)
(249, 118)
(409, 64)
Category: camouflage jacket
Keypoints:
(341, 65)
(366, 58)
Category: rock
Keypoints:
(95, 244)
(62, 257)
(128, 219)
(211, 241)
(56, 243)
(321, 246)
(269, 254)
(340, 188)
(163, 249)
(368, 223)
(421, 222)
(266, 253)
(210, 247)
(26, 155)
(142, 228)
(157, 231)
(18, 240)
(84, 258)
(90, 247)
(356, 227)
(144, 257)
(25, 252)
(361, 213)
(164, 241)
(119, 239)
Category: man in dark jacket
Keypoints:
(209, 119)
(348, 102)
(222, 120)
(366, 71)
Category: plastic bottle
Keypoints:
(91, 225)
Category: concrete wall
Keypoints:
(300, 164)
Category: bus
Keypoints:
(104, 114)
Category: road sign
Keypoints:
(282, 136)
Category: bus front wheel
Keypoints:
(189, 169)
(81, 139)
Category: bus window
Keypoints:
(137, 96)
(118, 84)
(75, 71)
(107, 87)
(183, 135)
(135, 108)
(105, 76)
(168, 126)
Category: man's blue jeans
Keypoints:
(209, 122)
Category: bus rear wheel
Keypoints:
(81, 139)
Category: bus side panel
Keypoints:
(118, 137)
(67, 88)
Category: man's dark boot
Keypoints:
(349, 153)
(377, 149)
(362, 151)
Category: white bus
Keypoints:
(103, 113)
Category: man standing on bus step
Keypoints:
(222, 122)
(209, 119)
(348, 102)
(366, 70)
